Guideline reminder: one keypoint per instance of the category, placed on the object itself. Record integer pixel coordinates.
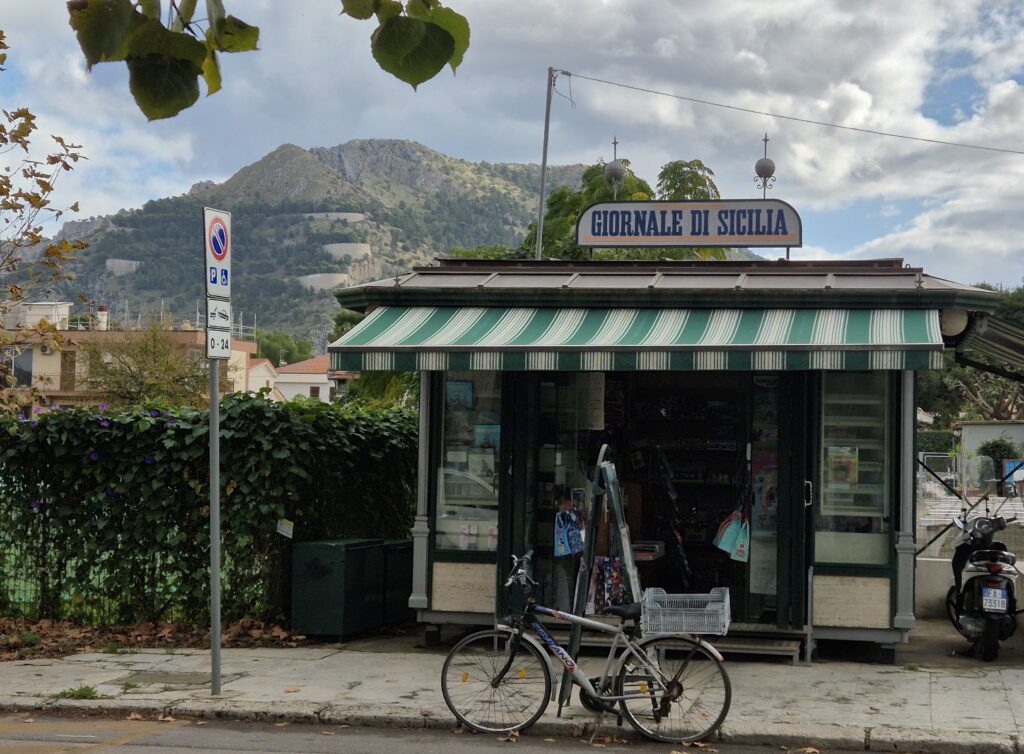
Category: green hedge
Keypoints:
(106, 512)
(934, 441)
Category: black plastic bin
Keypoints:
(397, 581)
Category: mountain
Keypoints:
(305, 221)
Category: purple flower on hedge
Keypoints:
(150, 460)
(33, 424)
(154, 413)
(36, 504)
(95, 456)
(104, 423)
(103, 407)
(37, 410)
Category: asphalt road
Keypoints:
(38, 734)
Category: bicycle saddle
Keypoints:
(626, 612)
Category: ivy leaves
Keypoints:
(411, 42)
(123, 494)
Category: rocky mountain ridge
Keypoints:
(356, 211)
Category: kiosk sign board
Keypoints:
(721, 223)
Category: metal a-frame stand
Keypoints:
(605, 490)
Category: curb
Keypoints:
(792, 736)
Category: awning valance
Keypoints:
(411, 338)
(999, 340)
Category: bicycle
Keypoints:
(671, 688)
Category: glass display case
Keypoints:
(467, 478)
(854, 469)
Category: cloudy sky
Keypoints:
(939, 69)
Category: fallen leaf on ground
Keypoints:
(599, 746)
(549, 740)
(200, 722)
(458, 729)
(808, 750)
(282, 725)
(28, 720)
(135, 716)
(511, 737)
(165, 719)
(291, 689)
(327, 733)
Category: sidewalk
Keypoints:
(928, 701)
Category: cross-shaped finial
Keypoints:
(615, 147)
(765, 140)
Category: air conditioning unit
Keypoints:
(45, 350)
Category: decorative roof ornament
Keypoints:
(615, 171)
(765, 169)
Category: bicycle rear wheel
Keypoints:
(683, 691)
(480, 702)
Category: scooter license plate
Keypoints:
(993, 599)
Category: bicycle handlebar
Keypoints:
(519, 566)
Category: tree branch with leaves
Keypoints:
(168, 52)
(28, 262)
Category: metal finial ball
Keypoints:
(614, 171)
(765, 168)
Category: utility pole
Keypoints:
(544, 164)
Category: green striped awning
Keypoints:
(411, 338)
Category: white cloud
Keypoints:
(870, 64)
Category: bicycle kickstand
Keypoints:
(597, 726)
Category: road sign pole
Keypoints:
(217, 274)
(215, 527)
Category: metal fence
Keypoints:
(937, 505)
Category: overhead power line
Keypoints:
(826, 124)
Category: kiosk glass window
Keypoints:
(855, 491)
(467, 478)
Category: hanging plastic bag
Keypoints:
(730, 533)
(568, 535)
(741, 547)
(723, 526)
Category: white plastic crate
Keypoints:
(665, 613)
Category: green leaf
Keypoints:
(234, 35)
(420, 9)
(214, 11)
(361, 9)
(101, 27)
(412, 50)
(150, 8)
(386, 9)
(163, 86)
(456, 25)
(164, 68)
(186, 9)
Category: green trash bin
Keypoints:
(337, 586)
(397, 581)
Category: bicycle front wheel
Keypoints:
(472, 691)
(681, 690)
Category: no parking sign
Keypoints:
(218, 252)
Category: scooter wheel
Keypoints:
(989, 641)
(951, 611)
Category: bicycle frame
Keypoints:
(612, 662)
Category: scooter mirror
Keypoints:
(959, 523)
